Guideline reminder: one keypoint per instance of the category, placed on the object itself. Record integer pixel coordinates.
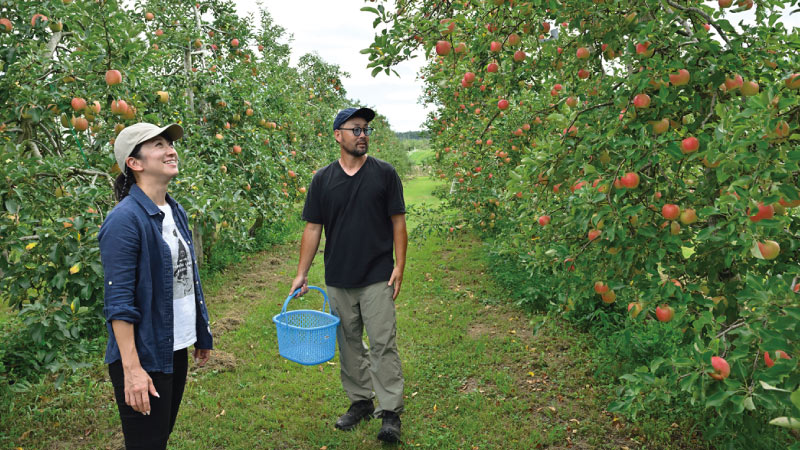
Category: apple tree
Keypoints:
(638, 164)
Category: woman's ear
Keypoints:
(134, 164)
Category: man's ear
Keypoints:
(337, 134)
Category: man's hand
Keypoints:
(300, 282)
(396, 280)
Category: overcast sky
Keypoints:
(337, 30)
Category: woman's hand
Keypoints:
(138, 388)
(201, 356)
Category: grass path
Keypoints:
(477, 375)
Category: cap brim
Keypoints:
(173, 132)
(364, 113)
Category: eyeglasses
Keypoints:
(357, 130)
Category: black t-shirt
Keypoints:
(355, 213)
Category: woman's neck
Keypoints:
(157, 192)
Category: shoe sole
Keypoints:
(389, 437)
(353, 426)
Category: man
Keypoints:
(358, 201)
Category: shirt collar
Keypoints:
(149, 206)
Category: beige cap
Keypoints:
(135, 134)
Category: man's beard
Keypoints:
(356, 151)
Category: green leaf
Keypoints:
(769, 387)
(12, 206)
(795, 398)
(718, 399)
(786, 422)
(370, 9)
(748, 404)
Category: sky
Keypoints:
(338, 30)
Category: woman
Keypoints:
(154, 305)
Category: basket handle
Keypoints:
(293, 294)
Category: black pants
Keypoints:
(151, 432)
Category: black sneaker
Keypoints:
(390, 430)
(358, 411)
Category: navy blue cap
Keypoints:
(345, 115)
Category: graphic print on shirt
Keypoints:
(181, 276)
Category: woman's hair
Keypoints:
(125, 179)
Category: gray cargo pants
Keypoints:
(377, 369)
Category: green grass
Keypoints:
(419, 199)
(419, 155)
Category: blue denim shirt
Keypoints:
(137, 265)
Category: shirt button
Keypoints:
(109, 283)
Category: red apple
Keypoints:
(670, 211)
(492, 67)
(594, 234)
(571, 102)
(113, 77)
(721, 367)
(780, 355)
(734, 83)
(681, 78)
(519, 56)
(80, 123)
(769, 249)
(234, 42)
(583, 74)
(688, 216)
(664, 313)
(641, 101)
(789, 203)
(461, 47)
(764, 212)
(750, 88)
(544, 220)
(660, 126)
(469, 77)
(38, 18)
(630, 180)
(514, 39)
(600, 287)
(725, 3)
(78, 104)
(793, 82)
(644, 50)
(443, 48)
(582, 53)
(634, 308)
(149, 16)
(495, 46)
(502, 104)
(689, 145)
(608, 297)
(5, 25)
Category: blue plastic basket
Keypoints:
(305, 336)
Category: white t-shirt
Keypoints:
(183, 307)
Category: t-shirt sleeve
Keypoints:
(311, 210)
(396, 203)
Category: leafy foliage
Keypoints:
(596, 115)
